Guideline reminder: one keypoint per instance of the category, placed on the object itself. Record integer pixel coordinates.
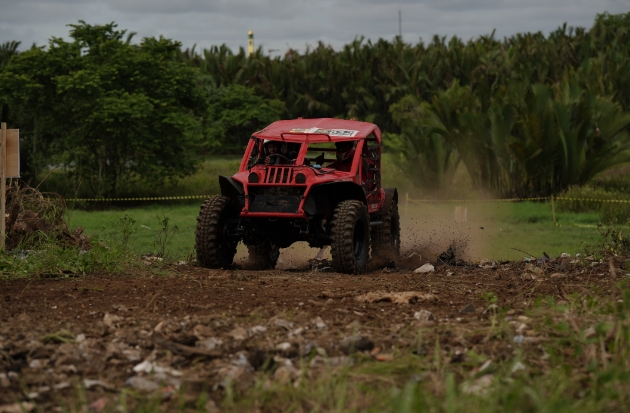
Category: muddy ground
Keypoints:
(201, 328)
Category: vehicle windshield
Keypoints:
(272, 152)
(336, 155)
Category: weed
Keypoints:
(62, 336)
(164, 234)
(119, 232)
(614, 242)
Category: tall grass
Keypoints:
(610, 185)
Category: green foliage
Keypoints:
(534, 140)
(108, 110)
(593, 200)
(526, 115)
(615, 241)
(51, 259)
(119, 232)
(164, 234)
(235, 112)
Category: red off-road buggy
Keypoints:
(314, 180)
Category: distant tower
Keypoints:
(250, 43)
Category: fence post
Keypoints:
(3, 183)
(553, 211)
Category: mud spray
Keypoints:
(427, 230)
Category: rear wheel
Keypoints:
(264, 256)
(350, 234)
(214, 249)
(386, 237)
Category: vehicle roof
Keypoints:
(318, 130)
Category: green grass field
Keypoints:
(428, 227)
(526, 226)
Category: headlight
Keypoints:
(253, 178)
(300, 178)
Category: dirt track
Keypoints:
(228, 325)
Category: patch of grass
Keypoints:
(203, 182)
(109, 252)
(148, 224)
(527, 226)
(609, 212)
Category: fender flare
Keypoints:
(233, 189)
(322, 199)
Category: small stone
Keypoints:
(238, 334)
(479, 387)
(132, 354)
(565, 255)
(424, 315)
(469, 309)
(98, 405)
(142, 384)
(518, 366)
(210, 343)
(426, 268)
(287, 325)
(589, 332)
(200, 331)
(111, 320)
(257, 329)
(319, 323)
(283, 346)
(17, 407)
(356, 343)
(286, 373)
(4, 380)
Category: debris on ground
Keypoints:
(426, 268)
(404, 297)
(33, 216)
(469, 309)
(449, 257)
(424, 315)
(209, 330)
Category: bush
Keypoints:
(595, 198)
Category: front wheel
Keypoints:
(350, 235)
(214, 248)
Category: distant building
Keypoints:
(250, 43)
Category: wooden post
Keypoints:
(406, 201)
(553, 211)
(3, 184)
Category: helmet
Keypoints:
(268, 142)
(345, 150)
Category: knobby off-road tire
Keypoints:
(263, 256)
(386, 237)
(214, 250)
(350, 235)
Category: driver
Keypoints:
(345, 155)
(274, 155)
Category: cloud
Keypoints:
(280, 24)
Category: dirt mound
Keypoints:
(34, 217)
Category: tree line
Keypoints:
(527, 115)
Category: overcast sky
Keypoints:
(280, 24)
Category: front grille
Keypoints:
(275, 198)
(278, 175)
